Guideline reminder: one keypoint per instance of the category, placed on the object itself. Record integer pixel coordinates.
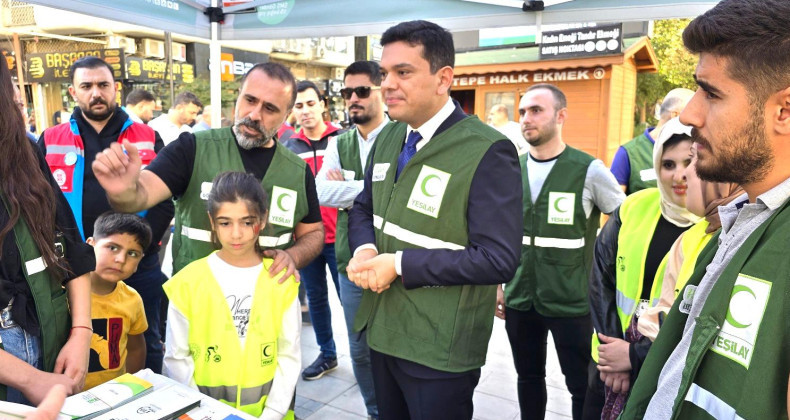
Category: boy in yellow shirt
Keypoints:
(117, 313)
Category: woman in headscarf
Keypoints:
(628, 254)
(45, 323)
(703, 198)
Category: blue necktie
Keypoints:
(408, 151)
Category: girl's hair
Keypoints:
(25, 187)
(675, 140)
(232, 187)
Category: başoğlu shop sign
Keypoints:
(54, 67)
(596, 73)
(141, 69)
(584, 42)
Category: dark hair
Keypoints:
(186, 98)
(139, 95)
(369, 68)
(26, 188)
(675, 140)
(114, 223)
(232, 187)
(89, 62)
(437, 43)
(559, 97)
(306, 84)
(753, 36)
(275, 71)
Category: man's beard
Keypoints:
(544, 134)
(246, 142)
(743, 158)
(98, 116)
(360, 118)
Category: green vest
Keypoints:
(445, 328)
(349, 154)
(49, 296)
(739, 359)
(557, 243)
(639, 215)
(238, 376)
(216, 152)
(640, 157)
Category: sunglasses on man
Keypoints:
(361, 91)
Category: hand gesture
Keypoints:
(117, 170)
(376, 273)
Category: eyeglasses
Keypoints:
(361, 91)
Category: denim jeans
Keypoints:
(351, 296)
(148, 280)
(23, 346)
(314, 279)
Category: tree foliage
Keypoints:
(675, 67)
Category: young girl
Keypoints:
(232, 330)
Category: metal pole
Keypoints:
(169, 55)
(215, 78)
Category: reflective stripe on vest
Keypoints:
(35, 266)
(413, 238)
(554, 242)
(64, 143)
(205, 236)
(712, 404)
(228, 392)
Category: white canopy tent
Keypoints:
(282, 19)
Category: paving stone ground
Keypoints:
(336, 395)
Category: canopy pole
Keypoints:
(215, 77)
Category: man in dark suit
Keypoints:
(430, 249)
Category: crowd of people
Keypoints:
(430, 222)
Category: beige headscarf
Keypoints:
(715, 194)
(677, 215)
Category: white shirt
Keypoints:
(238, 289)
(179, 366)
(341, 194)
(166, 129)
(512, 130)
(600, 186)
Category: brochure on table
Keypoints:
(146, 395)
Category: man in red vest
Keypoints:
(70, 149)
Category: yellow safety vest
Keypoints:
(639, 215)
(693, 242)
(224, 371)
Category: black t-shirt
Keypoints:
(663, 237)
(175, 163)
(94, 199)
(78, 254)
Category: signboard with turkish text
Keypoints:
(145, 69)
(54, 67)
(582, 42)
(540, 76)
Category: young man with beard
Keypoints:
(723, 350)
(431, 249)
(181, 114)
(140, 105)
(565, 191)
(310, 144)
(338, 183)
(185, 170)
(96, 123)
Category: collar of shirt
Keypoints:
(375, 133)
(769, 200)
(428, 129)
